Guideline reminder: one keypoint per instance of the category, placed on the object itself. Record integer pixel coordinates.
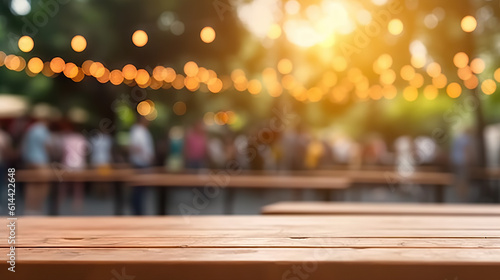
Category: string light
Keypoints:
(140, 38)
(35, 65)
(25, 44)
(78, 43)
(469, 24)
(207, 34)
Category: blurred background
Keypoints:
(297, 86)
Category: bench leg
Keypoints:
(338, 195)
(439, 193)
(228, 201)
(326, 195)
(54, 199)
(118, 193)
(162, 201)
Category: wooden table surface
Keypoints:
(158, 176)
(345, 208)
(257, 247)
(241, 181)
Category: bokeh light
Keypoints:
(129, 71)
(71, 70)
(145, 107)
(395, 26)
(410, 93)
(116, 77)
(57, 65)
(140, 38)
(477, 65)
(461, 60)
(142, 77)
(26, 44)
(179, 108)
(207, 34)
(78, 43)
(191, 69)
(488, 86)
(454, 90)
(469, 24)
(285, 66)
(35, 65)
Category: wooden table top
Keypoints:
(345, 208)
(322, 179)
(257, 247)
(240, 181)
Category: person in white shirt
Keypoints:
(74, 151)
(141, 155)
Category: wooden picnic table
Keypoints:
(353, 247)
(145, 178)
(344, 208)
(231, 182)
(326, 180)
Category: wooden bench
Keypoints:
(144, 178)
(340, 208)
(231, 182)
(438, 181)
(352, 247)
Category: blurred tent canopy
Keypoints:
(12, 106)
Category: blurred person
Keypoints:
(405, 157)
(426, 150)
(221, 149)
(405, 160)
(216, 152)
(174, 161)
(314, 153)
(141, 155)
(101, 158)
(462, 160)
(74, 154)
(300, 144)
(375, 150)
(342, 149)
(195, 148)
(240, 144)
(35, 155)
(101, 152)
(287, 143)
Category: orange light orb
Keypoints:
(140, 38)
(78, 43)
(25, 44)
(207, 34)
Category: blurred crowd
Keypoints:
(38, 142)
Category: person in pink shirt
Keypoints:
(195, 148)
(74, 151)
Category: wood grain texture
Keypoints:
(352, 247)
(340, 208)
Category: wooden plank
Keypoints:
(240, 181)
(244, 223)
(98, 241)
(99, 230)
(57, 175)
(219, 180)
(265, 247)
(339, 208)
(323, 179)
(263, 264)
